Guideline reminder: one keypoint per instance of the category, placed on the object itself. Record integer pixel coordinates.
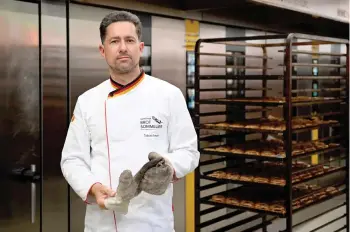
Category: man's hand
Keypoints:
(101, 192)
(126, 190)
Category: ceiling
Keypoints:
(264, 16)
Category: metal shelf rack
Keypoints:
(274, 140)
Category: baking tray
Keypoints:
(272, 197)
(214, 126)
(268, 158)
(272, 101)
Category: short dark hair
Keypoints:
(120, 16)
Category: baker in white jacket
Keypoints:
(114, 127)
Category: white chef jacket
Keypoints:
(114, 128)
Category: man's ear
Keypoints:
(142, 45)
(102, 50)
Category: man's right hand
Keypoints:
(101, 192)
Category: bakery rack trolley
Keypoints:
(273, 134)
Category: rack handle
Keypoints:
(33, 195)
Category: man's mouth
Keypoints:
(123, 57)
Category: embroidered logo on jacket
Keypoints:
(157, 120)
(151, 125)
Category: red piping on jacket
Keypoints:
(109, 162)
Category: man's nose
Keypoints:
(122, 46)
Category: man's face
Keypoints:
(121, 48)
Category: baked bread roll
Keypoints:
(268, 153)
(232, 201)
(232, 176)
(237, 150)
(248, 178)
(218, 174)
(218, 198)
(236, 125)
(222, 125)
(261, 206)
(246, 203)
(260, 179)
(223, 149)
(252, 152)
(277, 208)
(252, 126)
(332, 190)
(277, 181)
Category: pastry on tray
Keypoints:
(237, 150)
(277, 208)
(222, 124)
(309, 201)
(313, 187)
(279, 127)
(303, 200)
(280, 152)
(277, 181)
(252, 152)
(236, 125)
(268, 153)
(295, 179)
(232, 176)
(261, 206)
(317, 172)
(304, 175)
(296, 204)
(297, 152)
(223, 149)
(262, 180)
(320, 195)
(309, 148)
(332, 190)
(252, 126)
(218, 174)
(248, 178)
(218, 198)
(246, 203)
(232, 201)
(267, 126)
(300, 164)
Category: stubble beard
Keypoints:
(124, 69)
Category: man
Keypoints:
(114, 127)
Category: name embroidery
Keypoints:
(151, 123)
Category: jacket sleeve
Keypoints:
(183, 149)
(75, 161)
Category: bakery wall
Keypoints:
(168, 51)
(169, 64)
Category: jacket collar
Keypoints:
(121, 89)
